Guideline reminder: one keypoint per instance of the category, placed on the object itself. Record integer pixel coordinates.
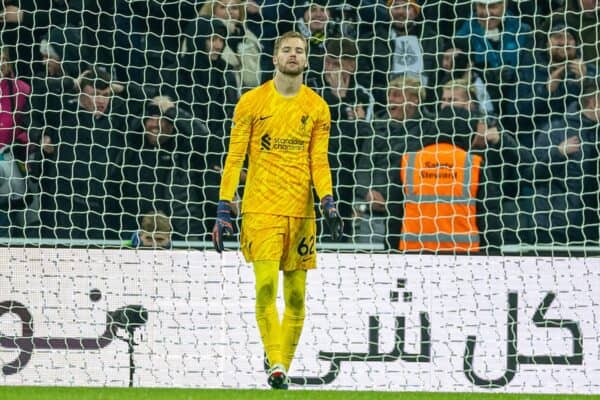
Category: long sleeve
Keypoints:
(186, 123)
(364, 168)
(285, 140)
(546, 152)
(319, 163)
(509, 164)
(238, 146)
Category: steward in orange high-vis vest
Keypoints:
(440, 184)
(440, 193)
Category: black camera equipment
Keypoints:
(128, 318)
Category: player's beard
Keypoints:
(291, 70)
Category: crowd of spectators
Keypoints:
(115, 110)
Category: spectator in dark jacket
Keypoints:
(497, 41)
(163, 165)
(147, 36)
(66, 46)
(351, 108)
(48, 87)
(565, 175)
(313, 22)
(498, 147)
(336, 83)
(83, 191)
(207, 88)
(206, 84)
(549, 82)
(392, 131)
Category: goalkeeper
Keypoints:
(283, 127)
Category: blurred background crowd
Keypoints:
(114, 109)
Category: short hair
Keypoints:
(408, 83)
(155, 222)
(98, 78)
(411, 3)
(208, 9)
(557, 23)
(289, 35)
(341, 48)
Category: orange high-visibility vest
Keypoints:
(440, 188)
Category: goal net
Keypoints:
(117, 111)
(461, 128)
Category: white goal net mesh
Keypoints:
(458, 127)
(116, 110)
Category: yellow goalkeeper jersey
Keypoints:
(286, 140)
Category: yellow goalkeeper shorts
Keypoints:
(289, 240)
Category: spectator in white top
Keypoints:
(243, 50)
(405, 45)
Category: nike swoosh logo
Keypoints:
(264, 117)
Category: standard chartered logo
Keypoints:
(265, 142)
(280, 144)
(288, 144)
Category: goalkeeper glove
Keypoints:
(223, 226)
(332, 217)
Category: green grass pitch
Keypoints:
(76, 393)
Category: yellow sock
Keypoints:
(294, 285)
(267, 275)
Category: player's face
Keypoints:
(402, 104)
(158, 130)
(456, 97)
(155, 240)
(490, 15)
(316, 17)
(215, 46)
(95, 100)
(227, 9)
(449, 57)
(562, 46)
(332, 64)
(335, 64)
(402, 13)
(291, 57)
